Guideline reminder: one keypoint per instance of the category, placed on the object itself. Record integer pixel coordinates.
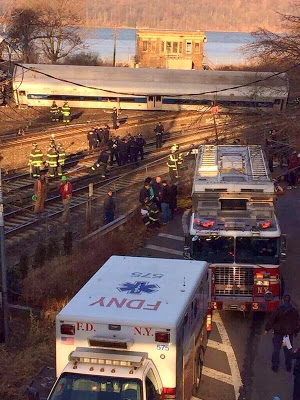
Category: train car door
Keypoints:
(154, 102)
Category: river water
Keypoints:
(220, 48)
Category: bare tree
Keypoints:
(60, 29)
(22, 30)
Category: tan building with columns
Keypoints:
(170, 49)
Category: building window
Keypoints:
(169, 47)
(188, 47)
(162, 47)
(180, 47)
(145, 45)
(175, 47)
(197, 47)
(153, 46)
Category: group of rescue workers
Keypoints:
(55, 160)
(56, 112)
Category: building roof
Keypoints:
(169, 32)
(151, 81)
(156, 292)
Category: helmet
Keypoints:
(174, 147)
(34, 144)
(64, 178)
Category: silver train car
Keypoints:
(147, 88)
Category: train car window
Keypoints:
(145, 45)
(197, 47)
(175, 47)
(162, 44)
(22, 93)
(188, 47)
(169, 47)
(153, 46)
(180, 47)
(277, 101)
(158, 98)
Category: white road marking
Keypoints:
(164, 249)
(166, 235)
(220, 376)
(234, 368)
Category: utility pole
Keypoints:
(115, 45)
(4, 310)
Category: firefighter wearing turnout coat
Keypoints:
(52, 159)
(35, 161)
(150, 214)
(174, 162)
(54, 110)
(66, 111)
(61, 154)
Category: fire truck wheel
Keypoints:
(199, 360)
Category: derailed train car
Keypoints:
(147, 88)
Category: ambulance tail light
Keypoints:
(162, 337)
(67, 329)
(169, 393)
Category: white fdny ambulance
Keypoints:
(136, 331)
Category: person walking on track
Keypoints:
(54, 110)
(101, 163)
(284, 321)
(61, 154)
(41, 187)
(35, 161)
(109, 208)
(52, 159)
(65, 190)
(159, 131)
(66, 111)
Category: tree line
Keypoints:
(235, 15)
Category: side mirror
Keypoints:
(32, 393)
(283, 247)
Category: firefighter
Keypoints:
(61, 156)
(174, 162)
(106, 132)
(35, 161)
(151, 218)
(52, 158)
(54, 110)
(66, 111)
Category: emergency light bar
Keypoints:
(97, 341)
(121, 360)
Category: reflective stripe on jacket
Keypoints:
(36, 158)
(52, 158)
(61, 157)
(66, 110)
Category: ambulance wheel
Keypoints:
(199, 359)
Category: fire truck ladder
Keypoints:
(257, 162)
(209, 158)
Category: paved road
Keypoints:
(237, 361)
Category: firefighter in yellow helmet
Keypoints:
(174, 161)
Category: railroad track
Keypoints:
(63, 131)
(18, 188)
(23, 219)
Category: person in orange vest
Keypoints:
(41, 187)
(292, 172)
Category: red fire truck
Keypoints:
(233, 226)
